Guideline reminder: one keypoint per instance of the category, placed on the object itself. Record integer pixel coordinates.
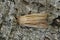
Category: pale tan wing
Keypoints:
(34, 20)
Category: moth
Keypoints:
(38, 20)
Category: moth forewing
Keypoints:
(34, 20)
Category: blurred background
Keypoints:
(11, 30)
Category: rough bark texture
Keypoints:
(9, 28)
